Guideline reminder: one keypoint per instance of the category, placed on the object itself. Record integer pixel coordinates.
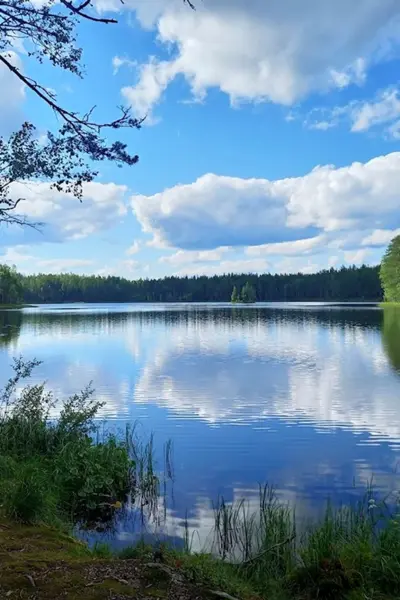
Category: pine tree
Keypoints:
(235, 296)
(248, 293)
(390, 271)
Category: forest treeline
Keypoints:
(345, 284)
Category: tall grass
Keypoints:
(354, 552)
(53, 469)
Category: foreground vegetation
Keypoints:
(354, 553)
(38, 562)
(59, 472)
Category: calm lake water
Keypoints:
(306, 397)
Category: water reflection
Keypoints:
(10, 326)
(391, 336)
(305, 398)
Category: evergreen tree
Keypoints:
(390, 271)
(344, 284)
(248, 294)
(235, 296)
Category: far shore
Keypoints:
(15, 306)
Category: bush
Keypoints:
(93, 477)
(50, 467)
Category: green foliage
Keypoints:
(204, 570)
(28, 496)
(66, 159)
(11, 291)
(92, 477)
(344, 284)
(248, 293)
(390, 271)
(391, 335)
(141, 551)
(101, 550)
(54, 467)
(353, 553)
(235, 296)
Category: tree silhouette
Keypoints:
(48, 29)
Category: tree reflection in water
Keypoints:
(391, 335)
(10, 326)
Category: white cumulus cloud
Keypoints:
(219, 211)
(62, 215)
(381, 113)
(182, 257)
(276, 51)
(122, 61)
(28, 263)
(386, 108)
(295, 248)
(255, 265)
(380, 237)
(134, 249)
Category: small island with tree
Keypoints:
(246, 296)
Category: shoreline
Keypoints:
(42, 562)
(389, 304)
(331, 302)
(16, 306)
(344, 555)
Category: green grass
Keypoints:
(353, 553)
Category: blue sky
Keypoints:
(271, 143)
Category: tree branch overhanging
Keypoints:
(65, 159)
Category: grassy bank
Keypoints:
(352, 554)
(38, 562)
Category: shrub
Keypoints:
(93, 477)
(51, 466)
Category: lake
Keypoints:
(305, 397)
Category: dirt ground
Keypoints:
(41, 563)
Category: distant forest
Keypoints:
(345, 284)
